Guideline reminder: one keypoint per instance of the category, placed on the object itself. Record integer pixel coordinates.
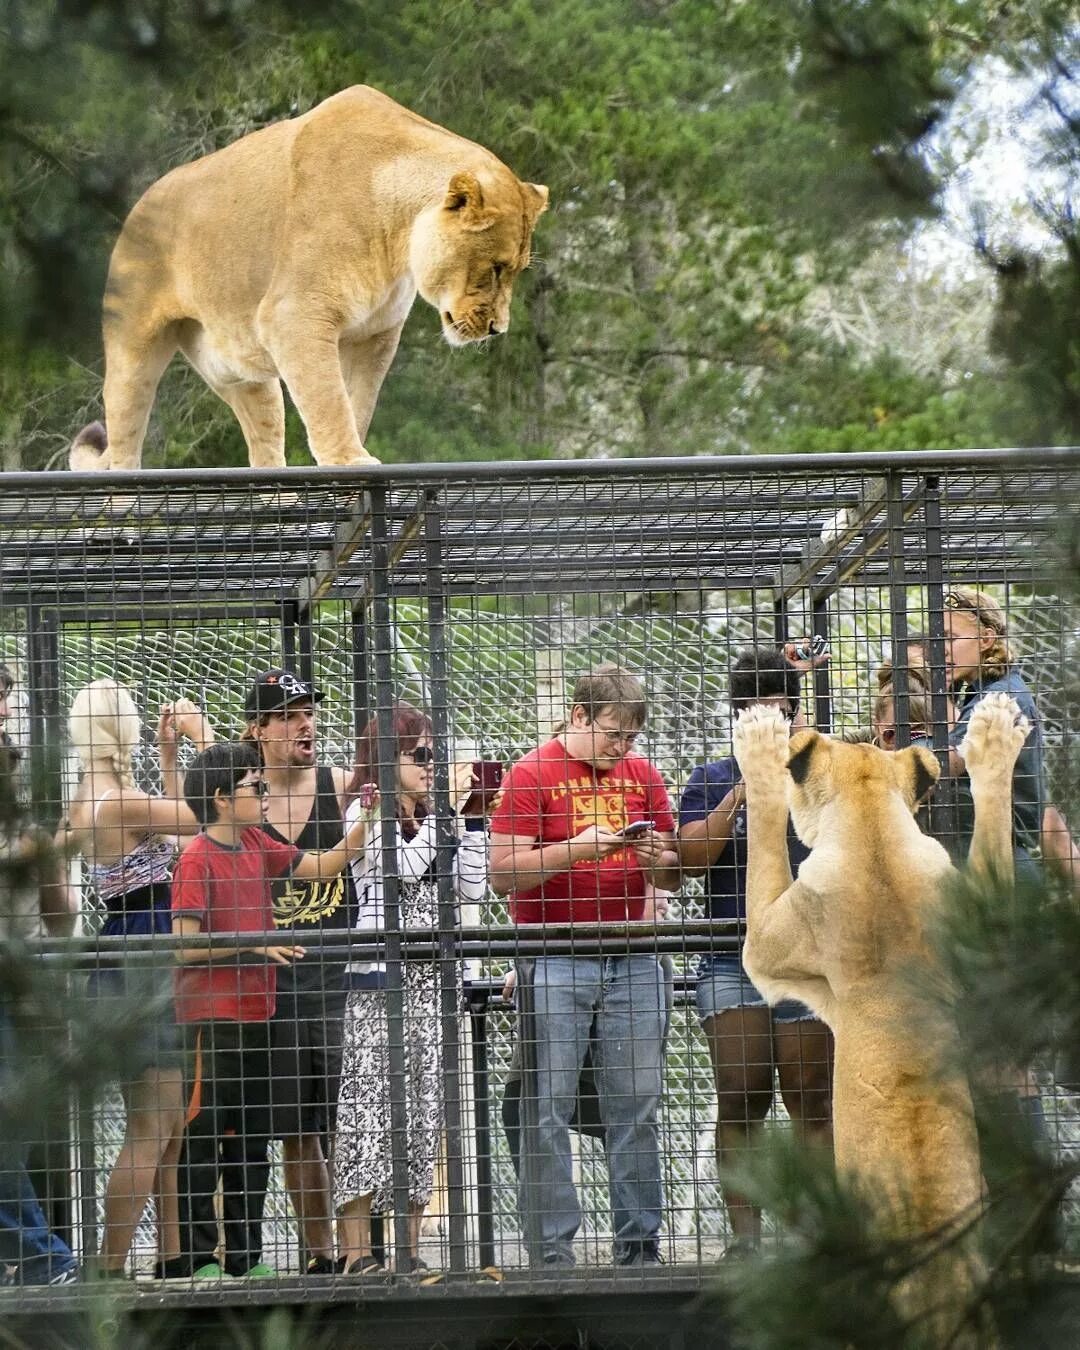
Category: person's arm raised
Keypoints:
(327, 864)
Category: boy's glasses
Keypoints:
(258, 785)
(421, 756)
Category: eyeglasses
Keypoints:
(421, 756)
(258, 785)
(955, 600)
(616, 734)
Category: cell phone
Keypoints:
(635, 828)
(488, 773)
(368, 793)
(816, 646)
(489, 776)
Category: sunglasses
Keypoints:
(421, 756)
(258, 785)
(953, 600)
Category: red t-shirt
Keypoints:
(549, 797)
(228, 889)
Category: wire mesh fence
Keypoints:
(404, 656)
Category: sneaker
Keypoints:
(325, 1265)
(261, 1271)
(365, 1265)
(174, 1268)
(638, 1254)
(210, 1273)
(69, 1275)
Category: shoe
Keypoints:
(69, 1275)
(738, 1250)
(324, 1265)
(365, 1265)
(261, 1271)
(638, 1254)
(556, 1261)
(210, 1273)
(172, 1268)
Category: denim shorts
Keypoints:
(723, 984)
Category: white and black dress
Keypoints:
(363, 1156)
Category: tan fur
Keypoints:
(295, 254)
(846, 938)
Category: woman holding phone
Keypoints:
(363, 1179)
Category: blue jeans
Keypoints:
(626, 996)
(26, 1241)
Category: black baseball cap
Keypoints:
(273, 689)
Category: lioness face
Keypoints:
(466, 253)
(823, 771)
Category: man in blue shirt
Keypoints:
(748, 1039)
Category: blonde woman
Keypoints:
(127, 839)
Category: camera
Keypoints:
(808, 649)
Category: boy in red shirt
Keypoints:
(558, 851)
(224, 1000)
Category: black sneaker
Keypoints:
(173, 1268)
(638, 1254)
(324, 1265)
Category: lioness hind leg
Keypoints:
(134, 365)
(260, 410)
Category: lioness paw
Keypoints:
(761, 741)
(996, 733)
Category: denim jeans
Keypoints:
(26, 1241)
(626, 995)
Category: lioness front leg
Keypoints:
(995, 736)
(776, 937)
(305, 351)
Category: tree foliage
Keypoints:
(711, 166)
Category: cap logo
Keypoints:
(290, 686)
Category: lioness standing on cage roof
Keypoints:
(305, 807)
(560, 850)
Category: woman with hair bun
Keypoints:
(127, 839)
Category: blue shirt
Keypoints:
(1029, 792)
(725, 881)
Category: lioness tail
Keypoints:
(90, 449)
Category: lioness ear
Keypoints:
(801, 751)
(917, 770)
(536, 199)
(463, 194)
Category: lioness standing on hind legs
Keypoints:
(845, 938)
(296, 254)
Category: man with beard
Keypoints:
(305, 803)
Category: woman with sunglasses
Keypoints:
(127, 839)
(363, 1154)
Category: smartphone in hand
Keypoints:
(636, 828)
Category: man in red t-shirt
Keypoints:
(225, 998)
(565, 849)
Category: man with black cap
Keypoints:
(305, 802)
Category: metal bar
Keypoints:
(485, 1192)
(897, 515)
(822, 684)
(846, 525)
(289, 612)
(780, 619)
(531, 1198)
(73, 485)
(411, 530)
(347, 539)
(361, 682)
(446, 844)
(388, 788)
(933, 549)
(304, 636)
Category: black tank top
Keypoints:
(316, 905)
